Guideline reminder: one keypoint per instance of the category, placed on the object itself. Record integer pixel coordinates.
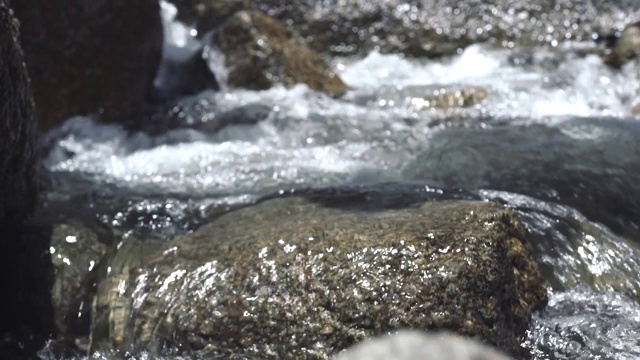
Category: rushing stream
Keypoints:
(381, 132)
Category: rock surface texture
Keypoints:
(259, 53)
(17, 126)
(427, 27)
(290, 278)
(89, 57)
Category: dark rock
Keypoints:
(89, 57)
(75, 252)
(259, 53)
(625, 48)
(17, 126)
(26, 310)
(414, 345)
(289, 279)
(182, 73)
(592, 165)
(424, 28)
(202, 112)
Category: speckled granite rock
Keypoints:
(425, 27)
(17, 126)
(290, 279)
(90, 57)
(259, 53)
(414, 345)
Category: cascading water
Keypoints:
(166, 184)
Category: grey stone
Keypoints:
(289, 278)
(414, 345)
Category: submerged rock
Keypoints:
(590, 164)
(424, 28)
(202, 112)
(420, 98)
(90, 57)
(414, 345)
(259, 53)
(289, 278)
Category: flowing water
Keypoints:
(163, 184)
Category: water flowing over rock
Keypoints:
(413, 345)
(291, 278)
(426, 27)
(96, 57)
(590, 164)
(259, 53)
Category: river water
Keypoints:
(560, 101)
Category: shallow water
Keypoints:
(158, 185)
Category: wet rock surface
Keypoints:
(17, 126)
(76, 251)
(25, 304)
(290, 277)
(414, 345)
(259, 53)
(579, 162)
(424, 28)
(84, 58)
(572, 251)
(202, 112)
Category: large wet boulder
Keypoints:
(90, 57)
(590, 164)
(259, 53)
(17, 126)
(424, 28)
(415, 345)
(298, 278)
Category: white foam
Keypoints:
(580, 86)
(176, 33)
(311, 139)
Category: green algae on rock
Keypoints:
(289, 278)
(259, 53)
